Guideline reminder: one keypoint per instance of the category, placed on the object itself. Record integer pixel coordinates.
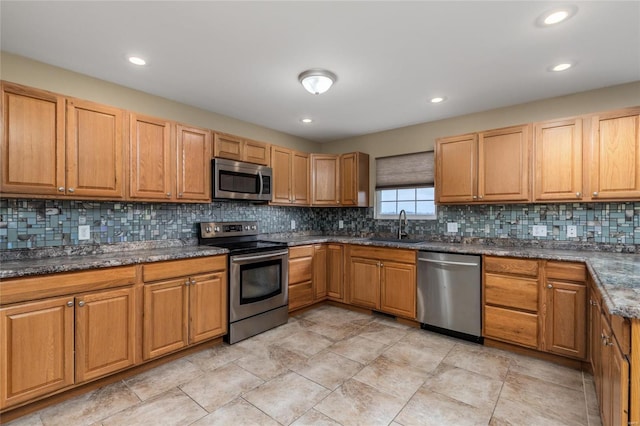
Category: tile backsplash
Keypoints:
(26, 223)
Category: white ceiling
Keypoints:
(242, 59)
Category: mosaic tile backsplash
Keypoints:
(54, 223)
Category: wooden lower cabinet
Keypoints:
(180, 310)
(335, 272)
(301, 274)
(319, 272)
(383, 279)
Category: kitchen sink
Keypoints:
(396, 240)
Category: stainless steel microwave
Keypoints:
(236, 180)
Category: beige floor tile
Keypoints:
(479, 360)
(512, 413)
(423, 359)
(329, 369)
(524, 393)
(465, 386)
(305, 343)
(219, 387)
(395, 379)
(547, 371)
(237, 412)
(170, 408)
(28, 420)
(90, 407)
(433, 342)
(333, 331)
(160, 379)
(315, 418)
(270, 362)
(382, 333)
(286, 397)
(356, 403)
(210, 359)
(358, 349)
(427, 408)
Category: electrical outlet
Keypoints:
(293, 224)
(572, 231)
(340, 224)
(452, 227)
(539, 231)
(84, 232)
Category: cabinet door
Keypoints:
(95, 144)
(456, 169)
(256, 152)
(615, 162)
(364, 282)
(354, 179)
(227, 146)
(557, 148)
(335, 272)
(320, 271)
(503, 164)
(325, 179)
(300, 178)
(207, 306)
(32, 143)
(619, 377)
(281, 162)
(150, 165)
(565, 319)
(595, 342)
(37, 349)
(193, 164)
(105, 333)
(398, 289)
(165, 317)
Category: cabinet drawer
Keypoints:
(392, 254)
(300, 270)
(511, 326)
(180, 268)
(507, 265)
(513, 292)
(300, 295)
(300, 251)
(566, 271)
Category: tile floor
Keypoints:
(331, 366)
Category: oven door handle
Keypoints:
(241, 258)
(261, 183)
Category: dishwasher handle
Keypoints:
(447, 262)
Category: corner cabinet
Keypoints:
(491, 166)
(291, 177)
(335, 272)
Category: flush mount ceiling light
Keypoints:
(561, 67)
(136, 60)
(317, 81)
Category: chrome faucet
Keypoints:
(402, 225)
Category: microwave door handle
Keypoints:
(260, 176)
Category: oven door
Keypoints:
(238, 180)
(258, 282)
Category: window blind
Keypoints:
(405, 171)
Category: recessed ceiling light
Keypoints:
(437, 100)
(137, 60)
(561, 67)
(307, 120)
(556, 17)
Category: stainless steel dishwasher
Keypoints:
(449, 299)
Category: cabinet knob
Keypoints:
(71, 190)
(168, 194)
(480, 197)
(187, 282)
(578, 194)
(382, 265)
(180, 194)
(549, 286)
(81, 303)
(595, 193)
(475, 197)
(192, 281)
(70, 303)
(61, 189)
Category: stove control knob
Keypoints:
(216, 229)
(246, 227)
(253, 227)
(207, 229)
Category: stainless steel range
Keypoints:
(258, 277)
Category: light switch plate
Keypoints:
(539, 231)
(84, 232)
(340, 224)
(572, 231)
(293, 224)
(452, 226)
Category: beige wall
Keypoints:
(21, 70)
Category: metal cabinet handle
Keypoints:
(61, 189)
(72, 190)
(549, 286)
(81, 303)
(70, 303)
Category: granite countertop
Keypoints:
(616, 274)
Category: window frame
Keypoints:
(380, 216)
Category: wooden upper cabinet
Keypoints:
(291, 176)
(95, 150)
(456, 169)
(503, 164)
(300, 178)
(354, 179)
(236, 148)
(557, 153)
(615, 155)
(325, 179)
(32, 148)
(150, 175)
(193, 164)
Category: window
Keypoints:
(418, 203)
(405, 182)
